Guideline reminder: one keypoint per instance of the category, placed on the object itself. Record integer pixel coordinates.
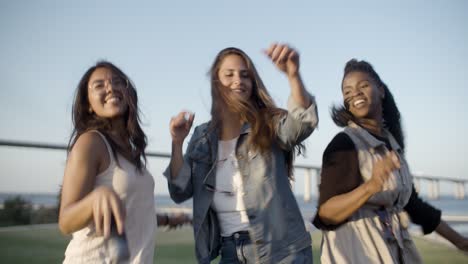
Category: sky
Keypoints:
(419, 48)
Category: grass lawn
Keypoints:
(47, 245)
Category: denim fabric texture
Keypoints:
(277, 228)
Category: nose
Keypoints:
(109, 86)
(237, 80)
(356, 92)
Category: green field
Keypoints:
(47, 245)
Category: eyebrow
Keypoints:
(347, 87)
(98, 80)
(350, 86)
(103, 80)
(241, 70)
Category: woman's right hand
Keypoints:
(382, 170)
(180, 126)
(107, 204)
(285, 58)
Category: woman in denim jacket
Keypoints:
(237, 166)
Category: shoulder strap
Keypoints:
(108, 146)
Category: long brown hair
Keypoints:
(259, 111)
(390, 113)
(84, 121)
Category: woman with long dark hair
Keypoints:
(238, 166)
(366, 191)
(107, 199)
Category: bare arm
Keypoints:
(298, 91)
(179, 127)
(302, 118)
(340, 207)
(286, 60)
(453, 236)
(429, 218)
(80, 203)
(177, 158)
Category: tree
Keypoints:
(16, 211)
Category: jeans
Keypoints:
(238, 249)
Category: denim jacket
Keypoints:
(276, 224)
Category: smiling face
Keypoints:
(362, 96)
(234, 74)
(105, 94)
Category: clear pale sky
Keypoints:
(419, 48)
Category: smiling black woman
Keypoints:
(366, 188)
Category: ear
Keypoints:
(90, 110)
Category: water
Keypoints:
(448, 205)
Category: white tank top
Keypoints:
(136, 190)
(228, 197)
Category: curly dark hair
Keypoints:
(390, 113)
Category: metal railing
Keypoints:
(310, 171)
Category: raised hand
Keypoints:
(106, 204)
(180, 126)
(382, 170)
(285, 58)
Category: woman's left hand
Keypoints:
(285, 58)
